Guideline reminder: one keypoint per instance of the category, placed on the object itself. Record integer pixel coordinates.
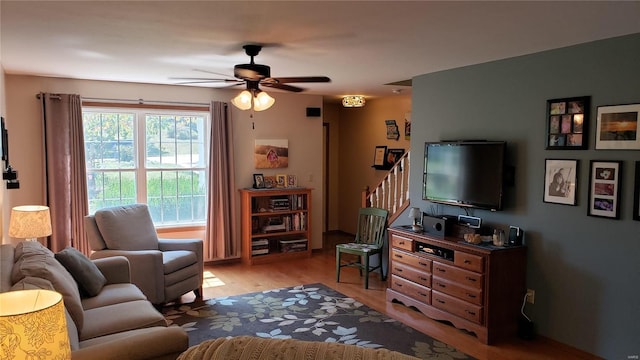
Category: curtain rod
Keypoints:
(142, 101)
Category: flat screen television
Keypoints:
(464, 173)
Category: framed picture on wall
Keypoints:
(560, 181)
(636, 194)
(567, 123)
(379, 156)
(604, 189)
(618, 127)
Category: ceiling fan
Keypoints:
(254, 75)
(257, 73)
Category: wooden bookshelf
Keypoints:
(276, 224)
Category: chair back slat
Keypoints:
(372, 223)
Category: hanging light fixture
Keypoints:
(253, 97)
(353, 101)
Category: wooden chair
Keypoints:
(372, 223)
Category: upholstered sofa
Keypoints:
(249, 347)
(107, 316)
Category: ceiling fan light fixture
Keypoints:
(262, 101)
(353, 101)
(243, 100)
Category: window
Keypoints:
(157, 157)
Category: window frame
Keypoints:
(141, 111)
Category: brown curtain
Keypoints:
(221, 241)
(65, 185)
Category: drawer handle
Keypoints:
(422, 264)
(398, 285)
(441, 270)
(442, 285)
(467, 261)
(400, 242)
(470, 312)
(423, 278)
(440, 301)
(470, 279)
(471, 296)
(398, 256)
(398, 270)
(422, 294)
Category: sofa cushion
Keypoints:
(115, 318)
(6, 264)
(33, 259)
(128, 227)
(113, 294)
(84, 271)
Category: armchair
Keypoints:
(164, 269)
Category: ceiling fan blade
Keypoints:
(282, 86)
(298, 79)
(212, 72)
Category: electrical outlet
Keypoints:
(531, 296)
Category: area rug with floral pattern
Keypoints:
(312, 312)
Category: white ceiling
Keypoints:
(360, 45)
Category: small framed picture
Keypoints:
(292, 181)
(604, 189)
(560, 181)
(567, 121)
(636, 194)
(378, 156)
(393, 155)
(270, 182)
(258, 181)
(618, 128)
(281, 180)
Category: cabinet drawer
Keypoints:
(461, 276)
(469, 261)
(401, 242)
(411, 289)
(457, 307)
(471, 295)
(411, 273)
(410, 259)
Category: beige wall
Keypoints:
(285, 120)
(361, 130)
(4, 217)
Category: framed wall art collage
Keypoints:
(617, 127)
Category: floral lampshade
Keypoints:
(33, 325)
(30, 222)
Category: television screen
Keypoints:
(463, 173)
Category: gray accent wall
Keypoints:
(585, 270)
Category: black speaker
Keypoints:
(434, 226)
(515, 236)
(470, 221)
(313, 112)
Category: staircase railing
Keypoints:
(392, 193)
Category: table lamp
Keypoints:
(30, 222)
(33, 322)
(415, 214)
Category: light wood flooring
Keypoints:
(236, 278)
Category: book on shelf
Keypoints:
(293, 245)
(259, 242)
(259, 251)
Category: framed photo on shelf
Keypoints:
(281, 180)
(560, 181)
(258, 181)
(636, 194)
(617, 127)
(379, 156)
(604, 189)
(270, 182)
(292, 181)
(393, 155)
(567, 123)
